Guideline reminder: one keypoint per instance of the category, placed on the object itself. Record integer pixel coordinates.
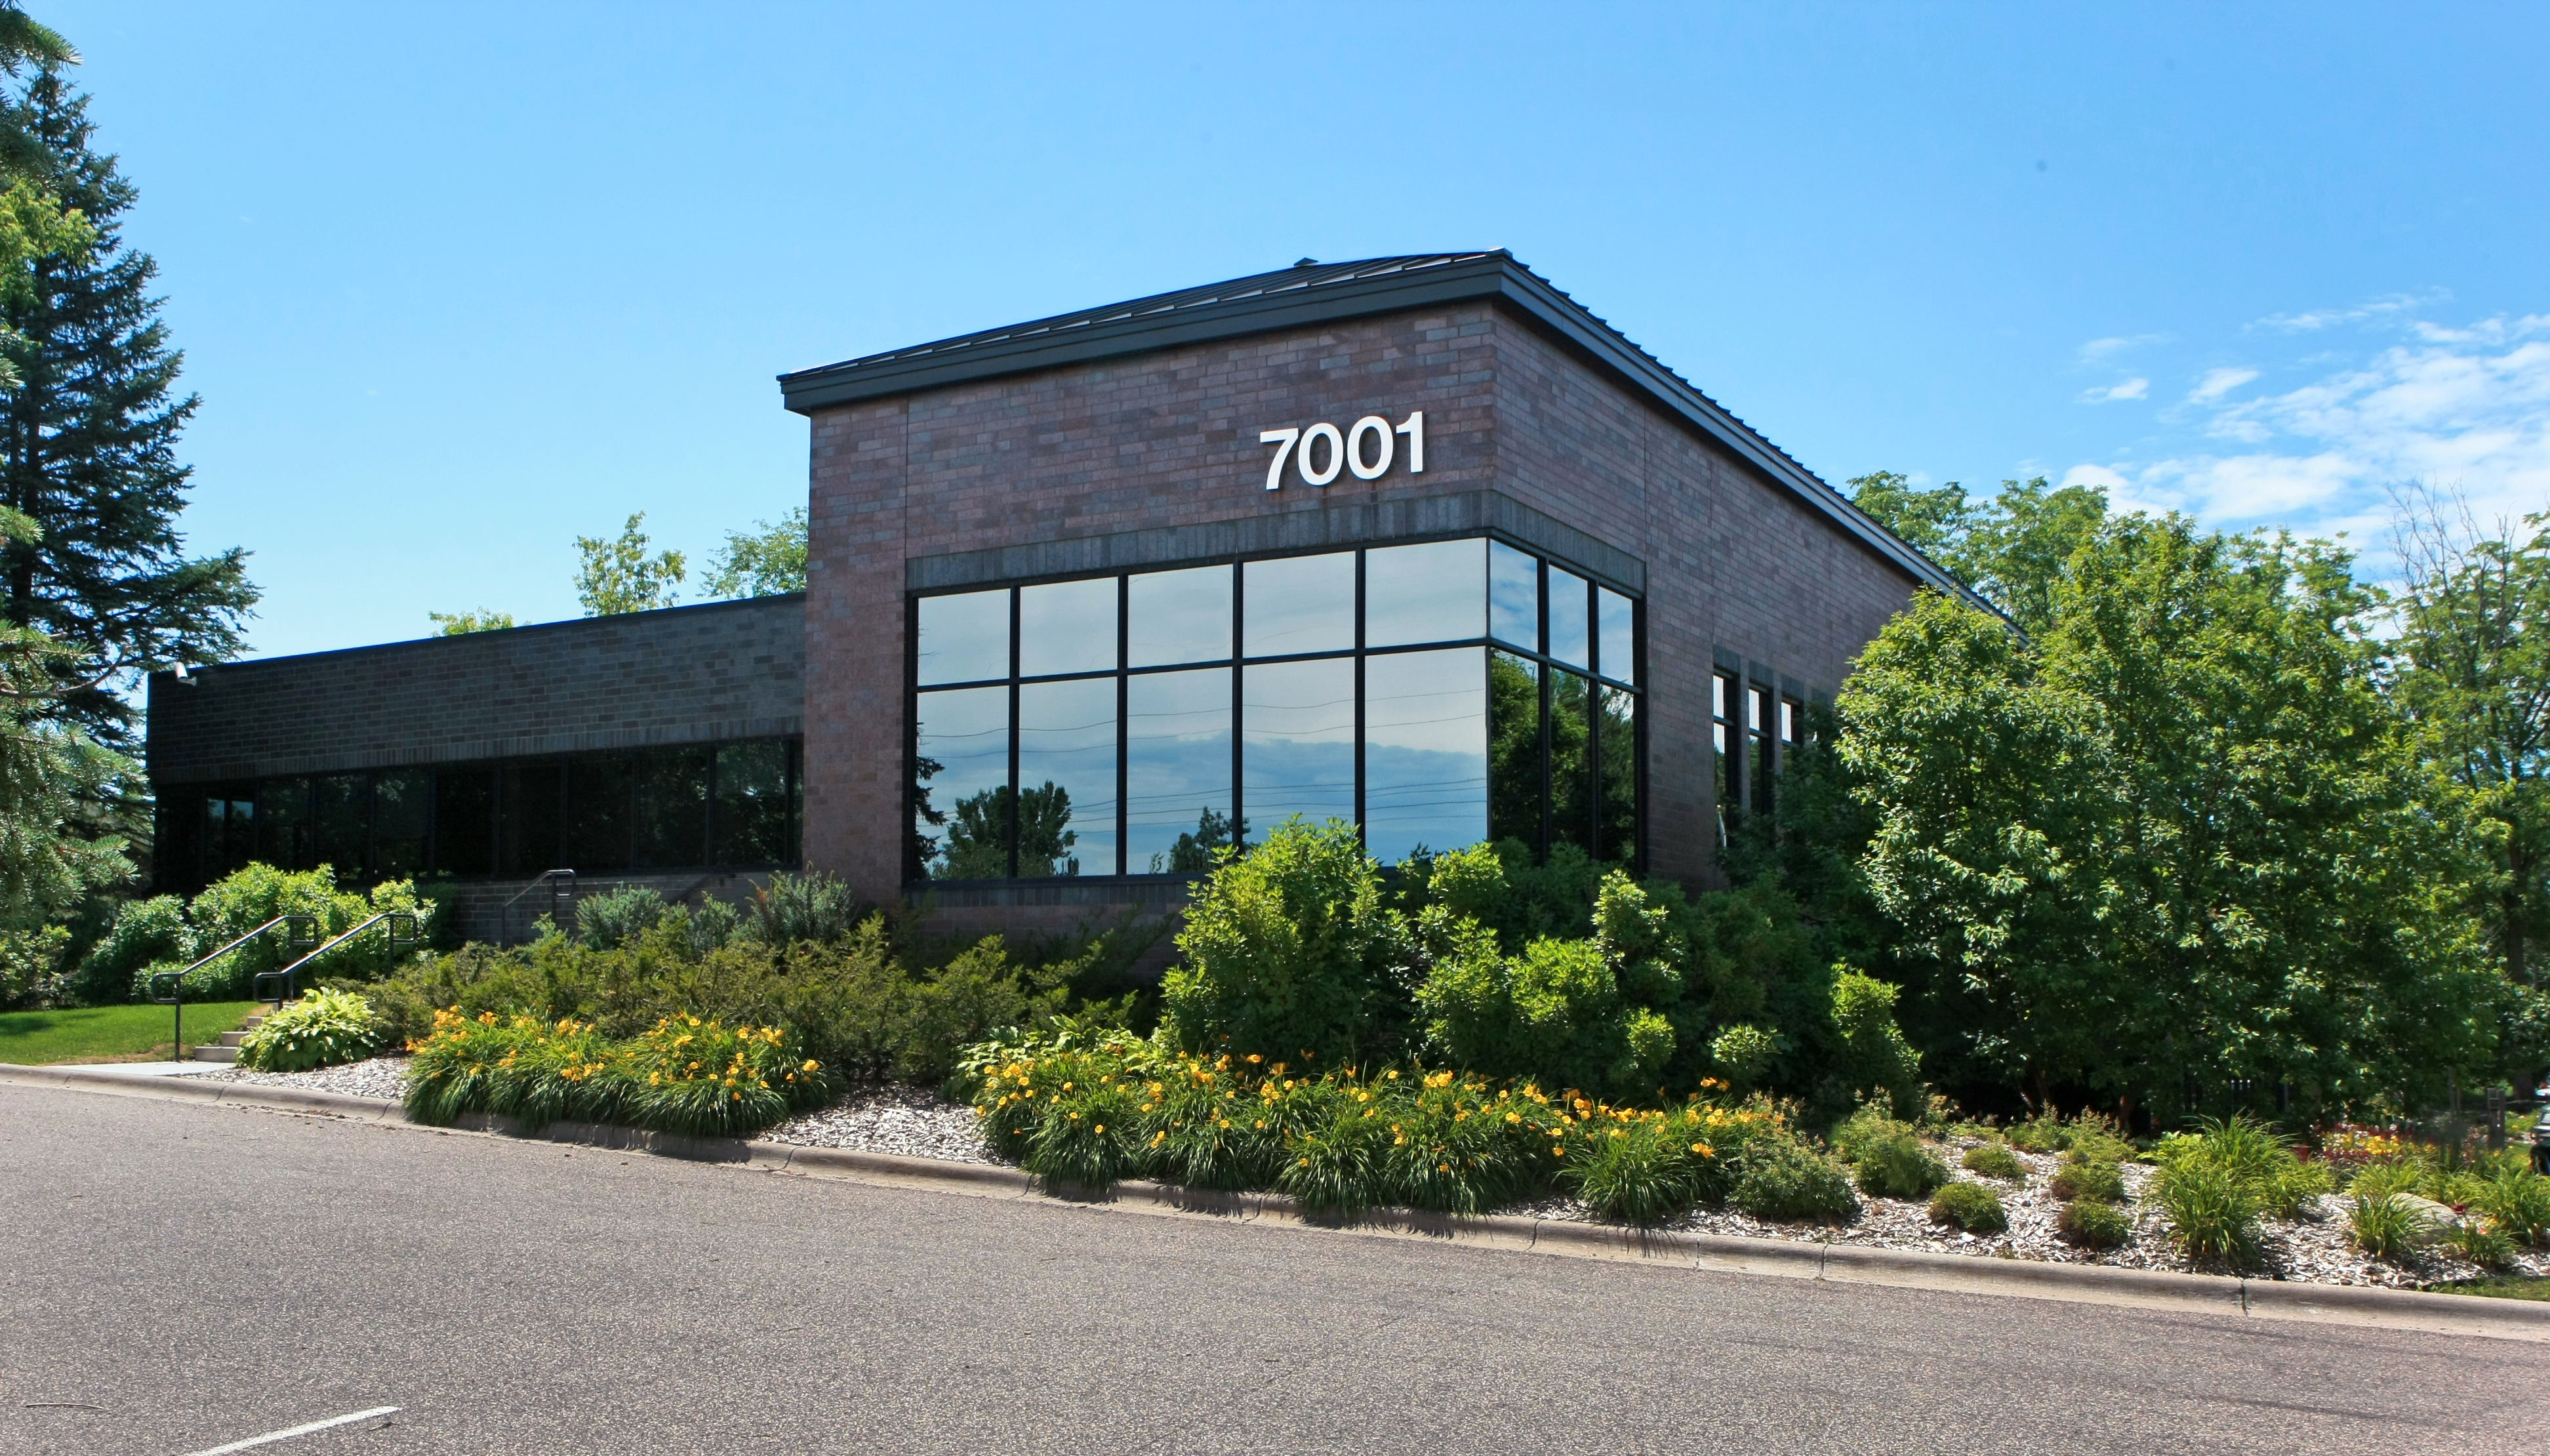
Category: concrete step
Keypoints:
(224, 1053)
(234, 1038)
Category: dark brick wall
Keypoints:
(688, 675)
(1121, 462)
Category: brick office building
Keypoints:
(1416, 543)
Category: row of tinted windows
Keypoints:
(727, 804)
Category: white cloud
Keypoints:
(2463, 408)
(2098, 350)
(2377, 310)
(2217, 383)
(2131, 389)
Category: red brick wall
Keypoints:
(1171, 439)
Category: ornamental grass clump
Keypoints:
(710, 1080)
(2211, 1215)
(322, 1030)
(2517, 1200)
(1995, 1160)
(1969, 1207)
(464, 1065)
(2481, 1241)
(1647, 1168)
(2388, 1225)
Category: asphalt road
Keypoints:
(178, 1275)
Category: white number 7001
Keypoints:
(1345, 451)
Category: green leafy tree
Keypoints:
(88, 433)
(2172, 834)
(2013, 549)
(461, 624)
(616, 576)
(2471, 669)
(768, 562)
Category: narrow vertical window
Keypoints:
(1757, 733)
(1728, 739)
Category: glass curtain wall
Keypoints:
(1435, 695)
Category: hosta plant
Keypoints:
(320, 1029)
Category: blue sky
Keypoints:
(458, 283)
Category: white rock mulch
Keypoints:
(382, 1077)
(908, 1120)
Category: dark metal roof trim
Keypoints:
(1296, 296)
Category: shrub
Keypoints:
(608, 921)
(810, 907)
(2211, 1215)
(2091, 1224)
(1876, 1054)
(32, 977)
(1285, 950)
(2388, 1226)
(2043, 1133)
(1780, 1178)
(2095, 1182)
(2271, 1178)
(2517, 1200)
(1969, 1207)
(1897, 1166)
(1995, 1160)
(1742, 1053)
(144, 935)
(320, 1029)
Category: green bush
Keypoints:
(809, 909)
(2211, 1215)
(31, 975)
(2092, 1224)
(2095, 1182)
(1780, 1178)
(2045, 1132)
(1286, 951)
(1897, 1166)
(2517, 1200)
(2272, 1178)
(683, 1075)
(320, 1029)
(1969, 1207)
(240, 902)
(145, 935)
(1875, 1055)
(1743, 1053)
(2388, 1226)
(608, 921)
(1995, 1160)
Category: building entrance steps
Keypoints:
(228, 1048)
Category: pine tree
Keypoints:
(88, 448)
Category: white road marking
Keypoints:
(298, 1430)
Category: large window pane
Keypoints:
(1513, 597)
(1175, 617)
(1617, 807)
(673, 809)
(1298, 604)
(1619, 637)
(283, 838)
(1571, 761)
(601, 813)
(1425, 752)
(1067, 778)
(339, 813)
(1434, 593)
(1297, 742)
(1570, 638)
(464, 820)
(177, 840)
(402, 812)
(529, 839)
(965, 639)
(230, 830)
(1514, 749)
(1067, 626)
(752, 804)
(1177, 770)
(963, 809)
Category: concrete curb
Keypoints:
(1842, 1264)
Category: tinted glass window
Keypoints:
(1177, 770)
(339, 813)
(1571, 761)
(1617, 807)
(1067, 626)
(963, 804)
(1514, 748)
(965, 639)
(1425, 752)
(1570, 637)
(601, 814)
(464, 820)
(402, 812)
(1619, 637)
(752, 804)
(1067, 778)
(283, 837)
(1175, 617)
(177, 840)
(1299, 604)
(1513, 597)
(672, 809)
(230, 830)
(528, 838)
(1297, 742)
(1434, 593)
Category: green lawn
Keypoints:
(2502, 1287)
(112, 1034)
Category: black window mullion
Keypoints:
(1361, 835)
(1540, 606)
(1238, 635)
(1012, 829)
(1124, 783)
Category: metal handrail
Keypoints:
(168, 988)
(287, 981)
(561, 886)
